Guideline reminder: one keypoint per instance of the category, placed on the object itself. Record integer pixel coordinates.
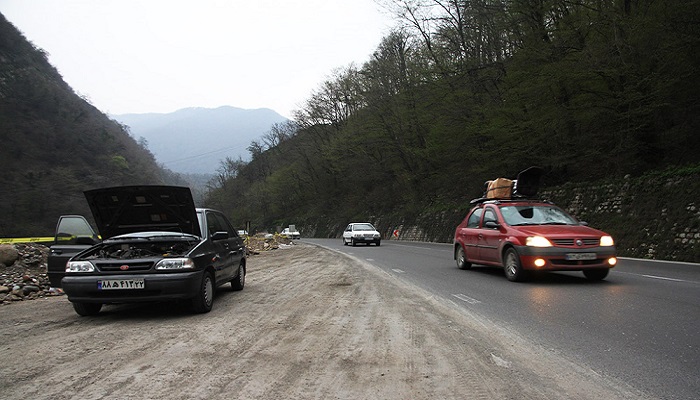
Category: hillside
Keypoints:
(210, 135)
(594, 92)
(55, 144)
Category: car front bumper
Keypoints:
(157, 287)
(362, 239)
(566, 259)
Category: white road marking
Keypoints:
(398, 271)
(664, 278)
(468, 299)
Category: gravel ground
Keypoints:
(310, 323)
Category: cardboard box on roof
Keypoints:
(501, 188)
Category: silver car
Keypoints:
(361, 232)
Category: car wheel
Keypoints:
(87, 309)
(352, 242)
(511, 264)
(596, 274)
(239, 281)
(379, 242)
(344, 242)
(461, 259)
(203, 301)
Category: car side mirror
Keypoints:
(221, 235)
(492, 225)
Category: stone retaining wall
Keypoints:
(653, 217)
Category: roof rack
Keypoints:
(521, 189)
(481, 200)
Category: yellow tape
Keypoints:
(26, 240)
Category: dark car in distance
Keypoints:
(527, 235)
(155, 246)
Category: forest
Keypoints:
(462, 91)
(459, 92)
(54, 144)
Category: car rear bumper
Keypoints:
(566, 259)
(157, 287)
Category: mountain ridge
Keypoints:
(225, 129)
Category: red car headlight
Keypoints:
(606, 241)
(537, 241)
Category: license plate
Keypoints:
(120, 284)
(581, 256)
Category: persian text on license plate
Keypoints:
(581, 256)
(119, 284)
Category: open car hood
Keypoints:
(128, 209)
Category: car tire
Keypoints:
(204, 300)
(379, 242)
(461, 258)
(87, 309)
(512, 267)
(352, 242)
(597, 274)
(238, 283)
(344, 242)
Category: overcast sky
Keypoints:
(140, 56)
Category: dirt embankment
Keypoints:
(311, 323)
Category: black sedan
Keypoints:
(157, 246)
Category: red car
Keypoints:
(527, 235)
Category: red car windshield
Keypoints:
(536, 215)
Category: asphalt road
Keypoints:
(640, 325)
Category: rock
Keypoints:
(30, 289)
(25, 278)
(8, 254)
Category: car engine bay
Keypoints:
(128, 251)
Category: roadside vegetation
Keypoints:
(55, 144)
(457, 93)
(461, 92)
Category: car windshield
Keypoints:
(536, 215)
(363, 227)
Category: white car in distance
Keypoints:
(361, 232)
(291, 232)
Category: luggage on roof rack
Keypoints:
(528, 182)
(525, 186)
(500, 188)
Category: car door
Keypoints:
(468, 233)
(236, 246)
(73, 235)
(489, 237)
(222, 247)
(347, 234)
